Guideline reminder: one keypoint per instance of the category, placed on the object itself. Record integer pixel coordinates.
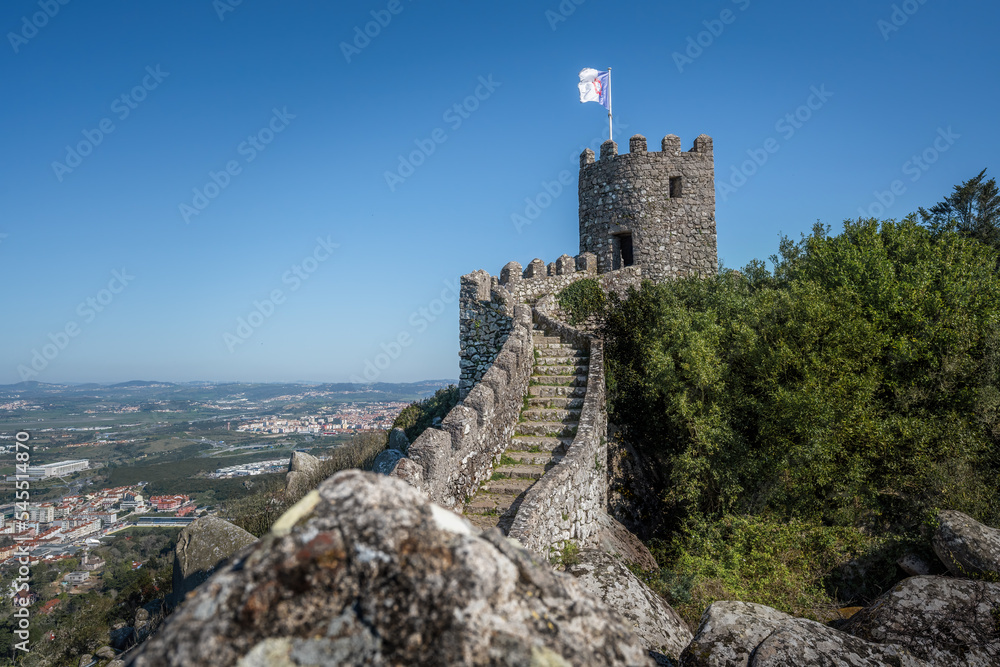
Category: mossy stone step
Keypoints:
(559, 369)
(527, 443)
(560, 380)
(518, 471)
(561, 402)
(547, 429)
(546, 459)
(556, 391)
(550, 415)
(545, 340)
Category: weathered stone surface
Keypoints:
(105, 653)
(201, 547)
(376, 575)
(967, 547)
(659, 627)
(614, 538)
(85, 660)
(943, 620)
(122, 635)
(386, 461)
(729, 632)
(800, 642)
(398, 440)
(303, 462)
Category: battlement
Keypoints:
(651, 209)
(669, 147)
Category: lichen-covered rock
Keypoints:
(302, 462)
(201, 547)
(105, 653)
(799, 642)
(945, 621)
(122, 635)
(366, 571)
(967, 547)
(913, 564)
(398, 440)
(659, 627)
(729, 632)
(386, 461)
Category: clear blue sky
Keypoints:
(213, 82)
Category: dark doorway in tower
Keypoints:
(623, 251)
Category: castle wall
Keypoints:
(449, 463)
(485, 320)
(631, 194)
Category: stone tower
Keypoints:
(654, 210)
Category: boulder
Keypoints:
(659, 627)
(967, 547)
(105, 653)
(729, 632)
(85, 660)
(366, 571)
(799, 642)
(386, 461)
(201, 547)
(302, 472)
(398, 440)
(943, 620)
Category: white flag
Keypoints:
(594, 87)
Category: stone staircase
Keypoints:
(544, 432)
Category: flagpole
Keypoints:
(610, 129)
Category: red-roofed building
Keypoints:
(49, 606)
(168, 503)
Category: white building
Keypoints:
(42, 513)
(58, 469)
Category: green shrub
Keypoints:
(582, 299)
(415, 418)
(856, 385)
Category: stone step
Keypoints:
(547, 429)
(550, 415)
(554, 346)
(545, 340)
(555, 402)
(541, 443)
(514, 485)
(560, 380)
(489, 502)
(544, 458)
(554, 369)
(482, 521)
(549, 391)
(562, 359)
(566, 350)
(516, 472)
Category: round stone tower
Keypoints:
(653, 210)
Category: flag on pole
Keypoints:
(595, 86)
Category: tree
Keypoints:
(973, 209)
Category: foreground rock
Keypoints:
(942, 620)
(659, 627)
(302, 472)
(201, 547)
(365, 571)
(739, 634)
(729, 632)
(801, 642)
(967, 547)
(614, 538)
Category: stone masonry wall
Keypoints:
(631, 194)
(569, 502)
(449, 463)
(485, 319)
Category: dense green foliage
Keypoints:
(420, 415)
(257, 512)
(582, 299)
(853, 388)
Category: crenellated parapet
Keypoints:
(651, 209)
